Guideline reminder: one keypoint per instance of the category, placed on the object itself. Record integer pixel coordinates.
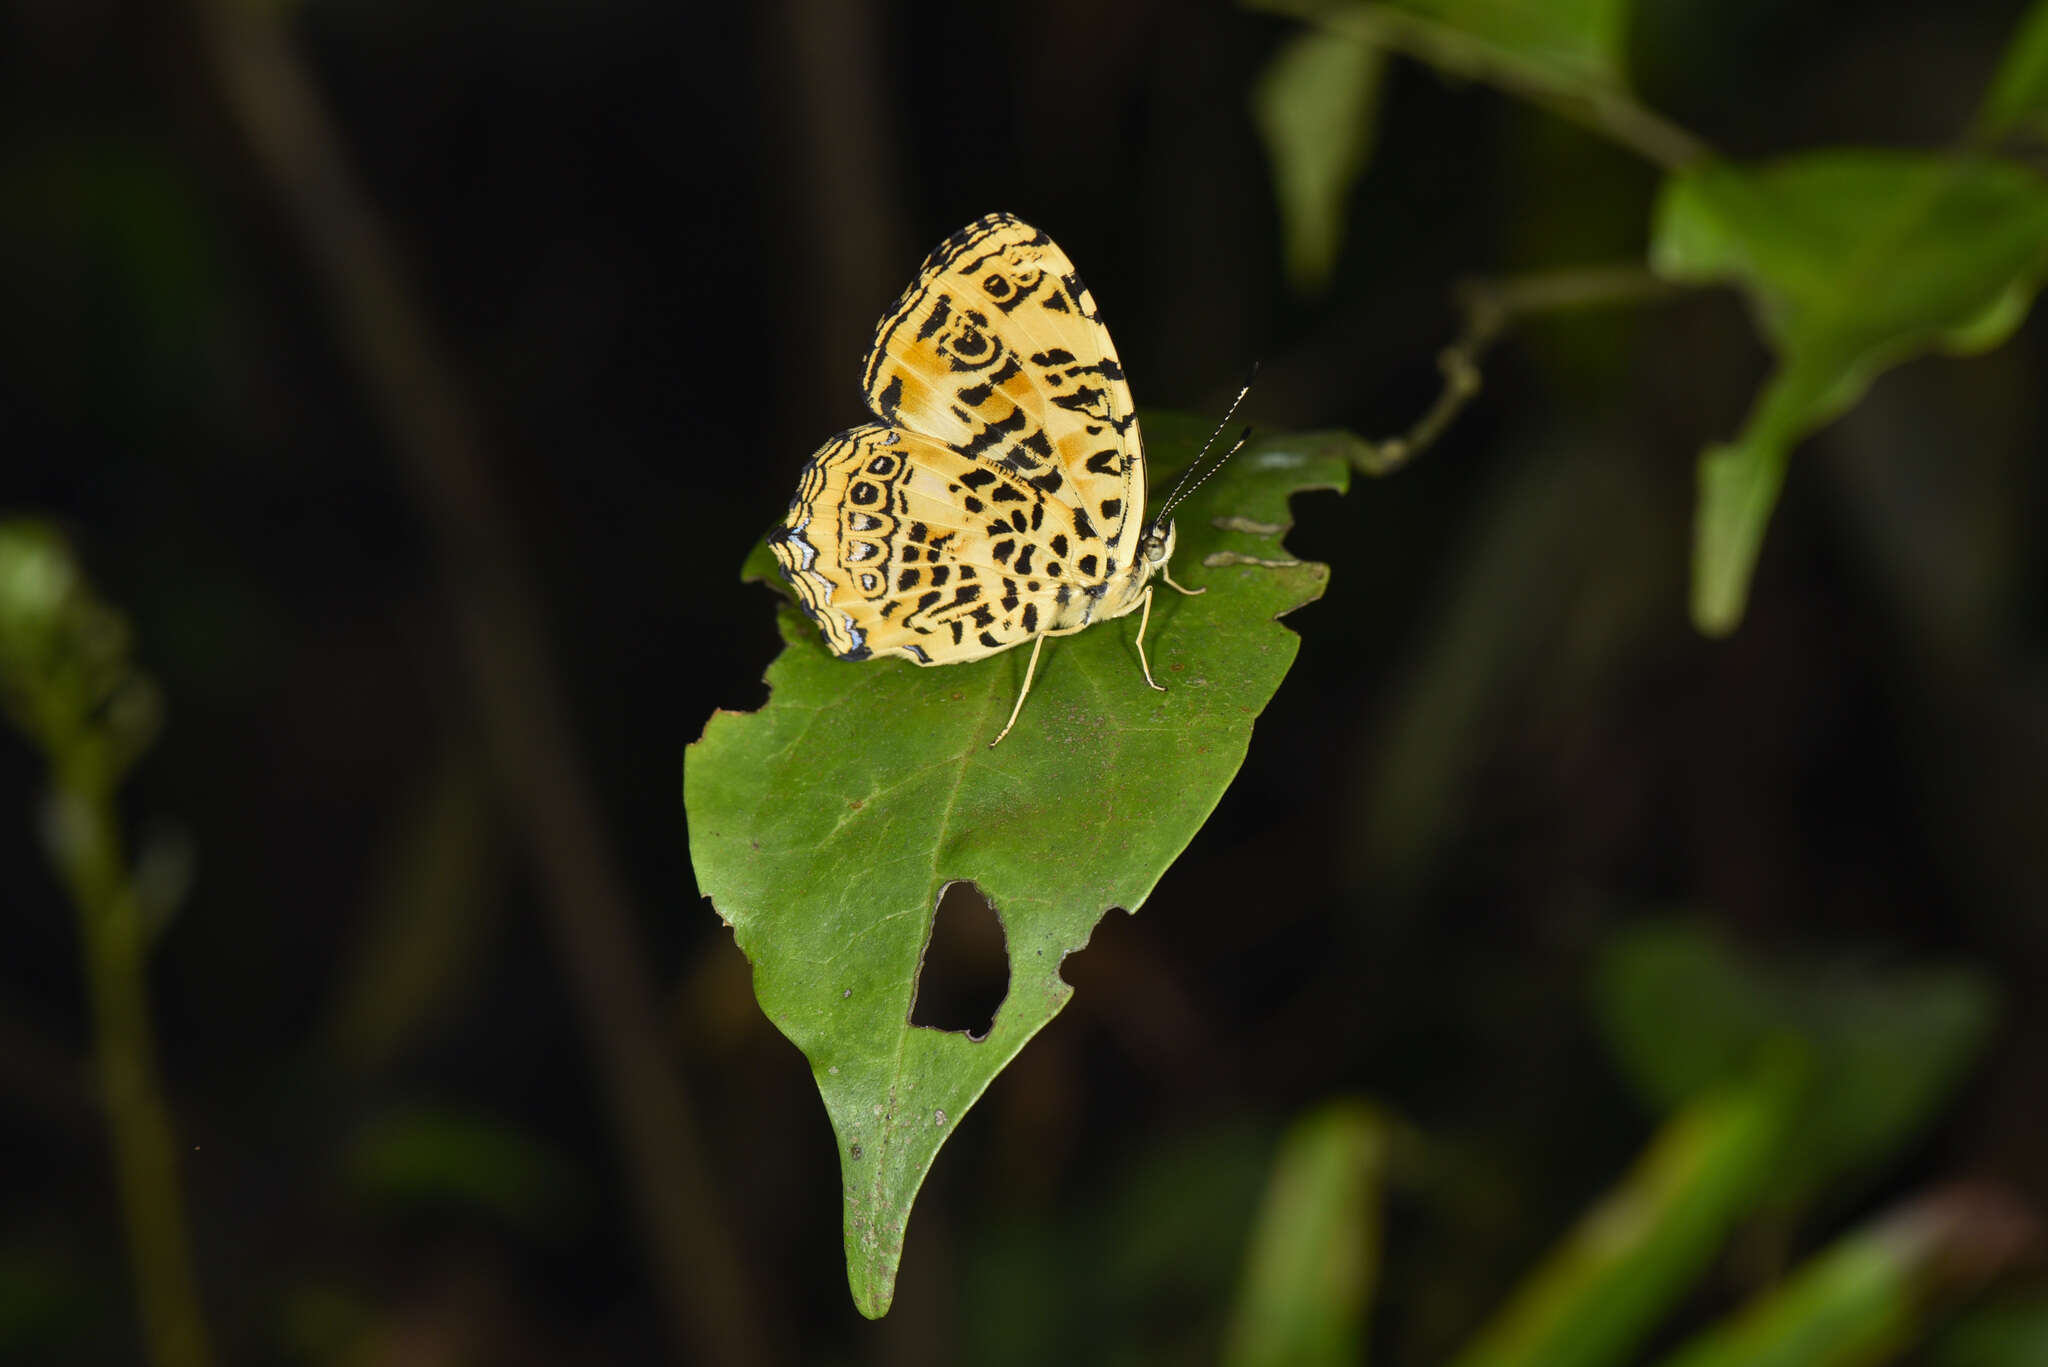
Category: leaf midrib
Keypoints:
(943, 829)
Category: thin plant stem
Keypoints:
(1490, 308)
(86, 845)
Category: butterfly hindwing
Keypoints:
(897, 544)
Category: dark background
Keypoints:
(650, 242)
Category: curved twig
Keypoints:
(1490, 308)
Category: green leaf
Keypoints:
(2017, 103)
(1573, 39)
(1139, 1264)
(1684, 1014)
(1314, 1255)
(1568, 56)
(1559, 47)
(825, 827)
(2009, 1335)
(1853, 261)
(1599, 1293)
(1872, 1294)
(1314, 106)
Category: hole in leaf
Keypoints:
(965, 972)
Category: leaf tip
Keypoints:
(1715, 613)
(874, 1306)
(872, 1259)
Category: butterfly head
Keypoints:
(1156, 546)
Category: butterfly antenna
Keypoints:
(1179, 494)
(1182, 488)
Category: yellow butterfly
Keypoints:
(999, 498)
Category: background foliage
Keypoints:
(409, 483)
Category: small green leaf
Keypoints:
(1854, 261)
(1871, 1295)
(825, 827)
(1594, 1298)
(1314, 1255)
(1314, 106)
(1887, 1049)
(2017, 103)
(1739, 484)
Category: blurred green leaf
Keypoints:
(45, 611)
(1315, 106)
(1314, 1255)
(1575, 39)
(1562, 42)
(1593, 1299)
(119, 275)
(1853, 261)
(2017, 103)
(825, 827)
(1873, 1294)
(65, 675)
(2009, 1335)
(437, 1156)
(325, 1322)
(1141, 1269)
(48, 1304)
(37, 581)
(1684, 1014)
(1568, 56)
(1155, 1233)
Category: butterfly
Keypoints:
(999, 499)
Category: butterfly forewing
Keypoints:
(997, 351)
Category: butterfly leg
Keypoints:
(1037, 644)
(1144, 617)
(1168, 577)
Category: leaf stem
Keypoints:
(1490, 308)
(85, 843)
